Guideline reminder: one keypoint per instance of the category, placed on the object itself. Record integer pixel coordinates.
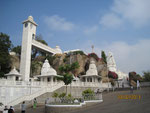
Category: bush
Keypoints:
(93, 55)
(112, 75)
(76, 52)
(55, 95)
(62, 95)
(87, 91)
(88, 94)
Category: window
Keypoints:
(26, 24)
(48, 79)
(90, 79)
(33, 36)
(17, 78)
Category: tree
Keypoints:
(67, 71)
(5, 46)
(17, 50)
(103, 56)
(146, 75)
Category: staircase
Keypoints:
(30, 97)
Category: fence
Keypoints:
(72, 100)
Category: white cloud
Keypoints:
(128, 57)
(134, 11)
(58, 23)
(110, 21)
(90, 30)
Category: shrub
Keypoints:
(76, 52)
(93, 55)
(88, 91)
(112, 75)
(62, 95)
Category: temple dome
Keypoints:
(92, 69)
(47, 69)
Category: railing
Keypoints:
(76, 100)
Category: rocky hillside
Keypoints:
(60, 59)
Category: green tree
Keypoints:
(67, 71)
(146, 75)
(17, 50)
(103, 56)
(5, 46)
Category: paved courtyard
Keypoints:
(112, 104)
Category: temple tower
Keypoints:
(111, 62)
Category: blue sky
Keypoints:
(120, 26)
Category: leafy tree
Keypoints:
(146, 75)
(74, 68)
(5, 46)
(67, 71)
(17, 50)
(103, 56)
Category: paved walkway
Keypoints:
(112, 104)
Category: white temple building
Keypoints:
(48, 74)
(91, 74)
(111, 64)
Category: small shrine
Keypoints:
(91, 74)
(13, 75)
(48, 74)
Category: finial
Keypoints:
(30, 18)
(92, 48)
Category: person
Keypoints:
(23, 107)
(97, 91)
(138, 84)
(11, 110)
(46, 101)
(131, 89)
(5, 110)
(34, 103)
(123, 85)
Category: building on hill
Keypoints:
(111, 64)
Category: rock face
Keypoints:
(15, 62)
(60, 59)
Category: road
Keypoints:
(113, 104)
